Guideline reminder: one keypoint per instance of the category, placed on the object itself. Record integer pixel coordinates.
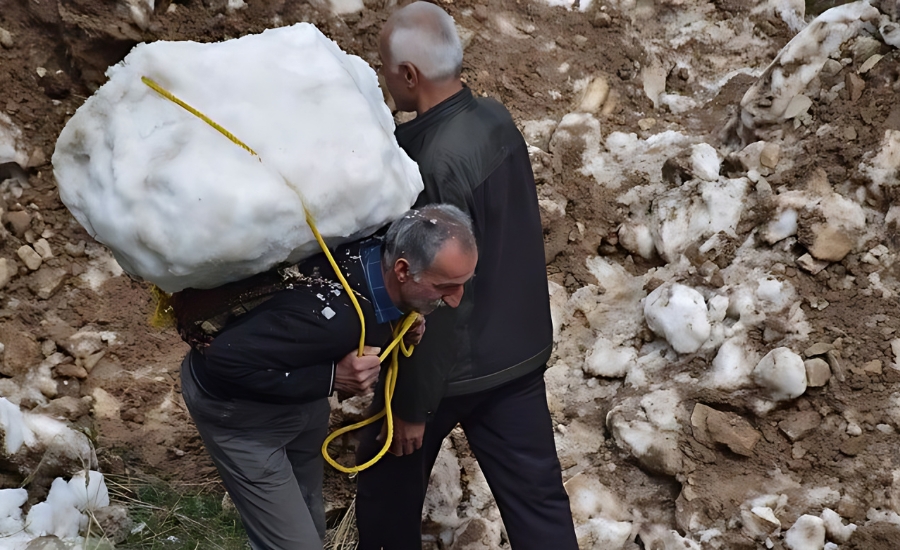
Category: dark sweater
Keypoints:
(471, 155)
(285, 349)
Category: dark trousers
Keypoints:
(270, 461)
(510, 431)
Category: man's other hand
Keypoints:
(414, 335)
(407, 436)
(357, 375)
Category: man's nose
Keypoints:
(454, 298)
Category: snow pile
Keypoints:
(64, 514)
(182, 206)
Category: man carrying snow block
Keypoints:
(257, 387)
(482, 364)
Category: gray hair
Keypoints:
(419, 234)
(425, 35)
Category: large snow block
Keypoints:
(182, 206)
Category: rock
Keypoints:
(869, 63)
(728, 429)
(594, 95)
(873, 367)
(759, 522)
(799, 105)
(21, 350)
(31, 258)
(810, 264)
(834, 361)
(47, 542)
(818, 373)
(477, 534)
(831, 244)
(819, 348)
(75, 250)
(854, 85)
(71, 370)
(7, 271)
(37, 159)
(646, 123)
(854, 445)
(114, 522)
(6, 39)
(46, 281)
(42, 247)
(18, 222)
(800, 424)
(70, 408)
(807, 533)
(48, 348)
(770, 155)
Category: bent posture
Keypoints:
(257, 387)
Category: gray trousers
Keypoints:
(270, 461)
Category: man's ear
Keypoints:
(401, 270)
(410, 74)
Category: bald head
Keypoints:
(423, 35)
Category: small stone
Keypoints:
(37, 159)
(114, 520)
(42, 247)
(850, 133)
(810, 264)
(770, 155)
(646, 123)
(819, 348)
(31, 258)
(45, 282)
(6, 39)
(854, 85)
(799, 105)
(18, 222)
(729, 429)
(798, 451)
(831, 67)
(71, 370)
(854, 446)
(831, 245)
(818, 373)
(75, 250)
(834, 361)
(594, 95)
(800, 424)
(8, 270)
(873, 367)
(869, 63)
(68, 407)
(48, 348)
(91, 360)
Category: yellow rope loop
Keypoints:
(395, 347)
(390, 383)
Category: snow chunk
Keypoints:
(678, 314)
(11, 501)
(781, 372)
(807, 533)
(835, 527)
(705, 162)
(11, 147)
(609, 360)
(181, 206)
(883, 168)
(732, 365)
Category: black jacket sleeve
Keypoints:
(283, 351)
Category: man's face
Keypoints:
(395, 76)
(442, 283)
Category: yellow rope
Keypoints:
(394, 348)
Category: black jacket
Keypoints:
(471, 155)
(285, 349)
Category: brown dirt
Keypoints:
(75, 40)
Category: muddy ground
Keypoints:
(56, 58)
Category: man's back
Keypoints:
(472, 155)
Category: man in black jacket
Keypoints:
(268, 351)
(482, 364)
